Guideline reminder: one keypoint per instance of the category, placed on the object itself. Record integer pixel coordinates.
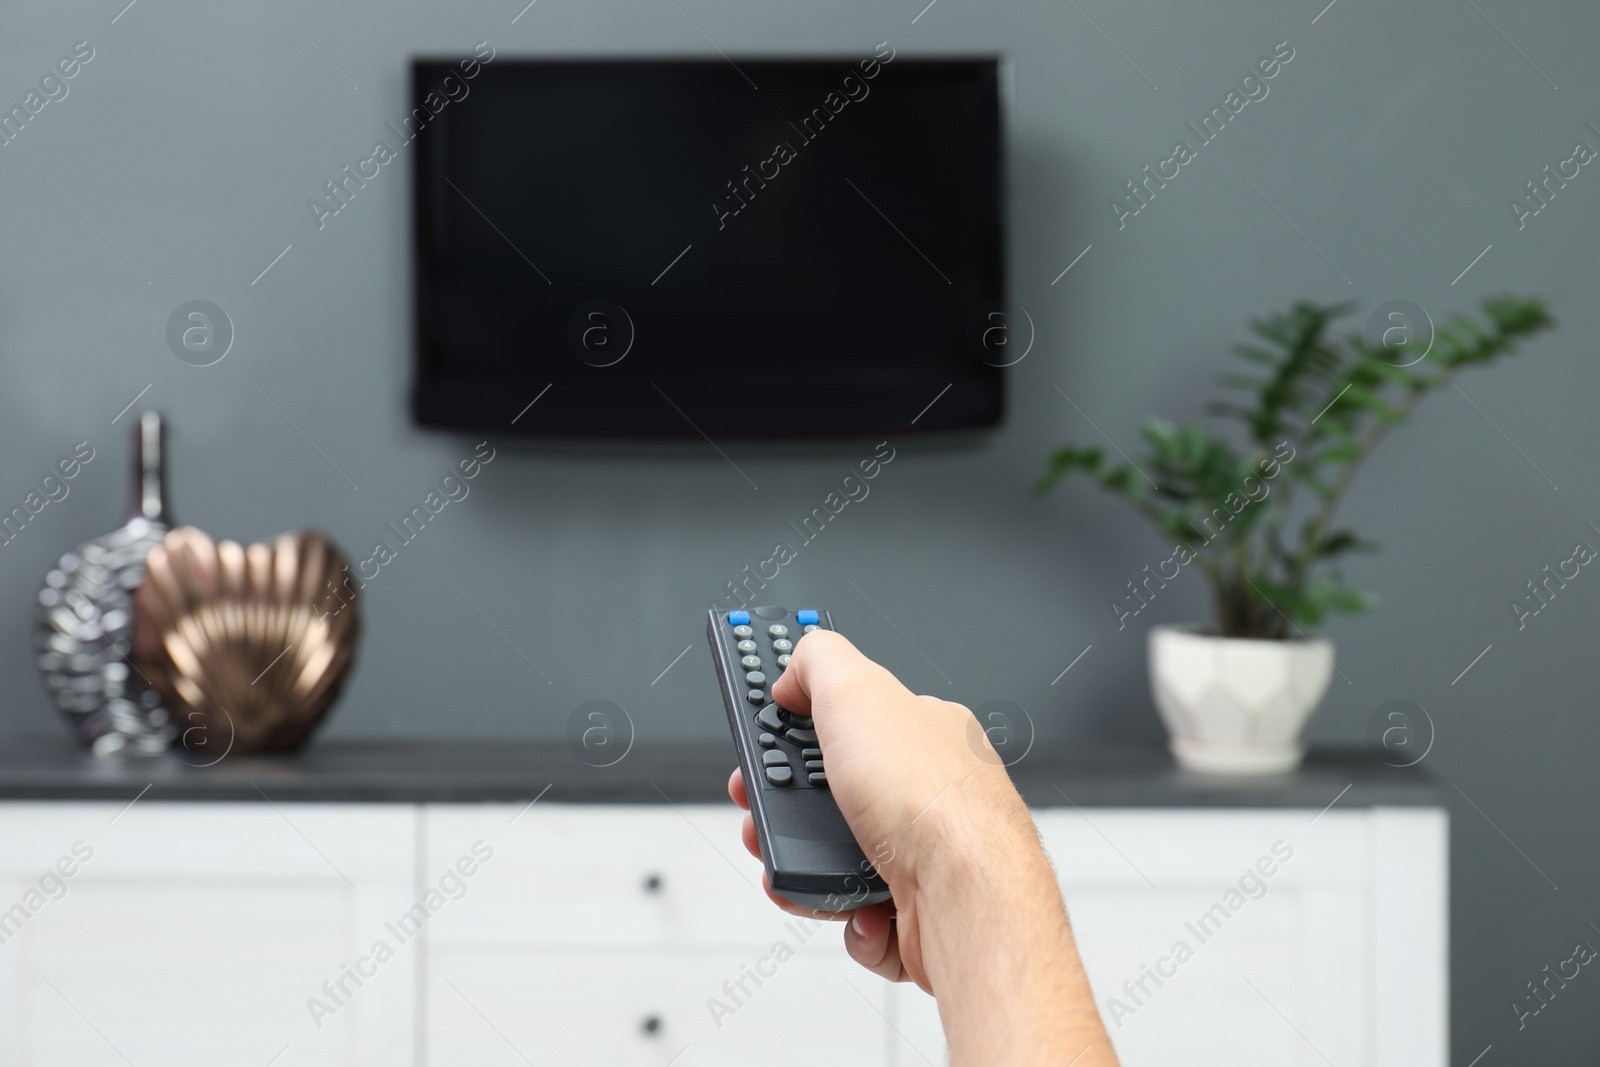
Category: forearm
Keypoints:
(1000, 954)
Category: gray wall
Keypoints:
(1393, 140)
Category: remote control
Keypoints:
(812, 858)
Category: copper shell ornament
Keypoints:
(248, 645)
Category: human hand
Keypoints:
(916, 780)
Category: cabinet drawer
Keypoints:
(1203, 932)
(260, 841)
(629, 1009)
(185, 931)
(646, 876)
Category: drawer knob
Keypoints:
(652, 883)
(651, 1026)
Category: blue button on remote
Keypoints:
(741, 618)
(806, 618)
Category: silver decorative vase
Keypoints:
(84, 623)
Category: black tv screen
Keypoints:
(730, 248)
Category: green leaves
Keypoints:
(1516, 316)
(1339, 542)
(1301, 363)
(1313, 407)
(1295, 610)
(1064, 461)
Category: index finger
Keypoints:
(816, 655)
(825, 662)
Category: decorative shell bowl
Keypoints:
(248, 645)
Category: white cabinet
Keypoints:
(621, 877)
(622, 935)
(642, 1009)
(196, 933)
(616, 936)
(1206, 946)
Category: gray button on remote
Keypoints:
(802, 737)
(780, 775)
(811, 754)
(755, 696)
(777, 629)
(813, 628)
(767, 740)
(743, 632)
(751, 663)
(783, 645)
(814, 765)
(746, 647)
(756, 678)
(817, 778)
(774, 759)
(768, 719)
(783, 660)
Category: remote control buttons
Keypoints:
(806, 618)
(783, 660)
(755, 696)
(743, 631)
(751, 663)
(813, 628)
(776, 724)
(738, 618)
(746, 646)
(777, 629)
(783, 645)
(756, 678)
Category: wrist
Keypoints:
(985, 891)
(979, 841)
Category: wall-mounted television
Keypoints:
(732, 247)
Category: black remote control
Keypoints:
(812, 858)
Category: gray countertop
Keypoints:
(438, 771)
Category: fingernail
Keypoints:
(855, 924)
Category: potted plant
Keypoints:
(1258, 520)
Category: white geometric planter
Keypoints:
(1235, 705)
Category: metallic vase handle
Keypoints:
(149, 487)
